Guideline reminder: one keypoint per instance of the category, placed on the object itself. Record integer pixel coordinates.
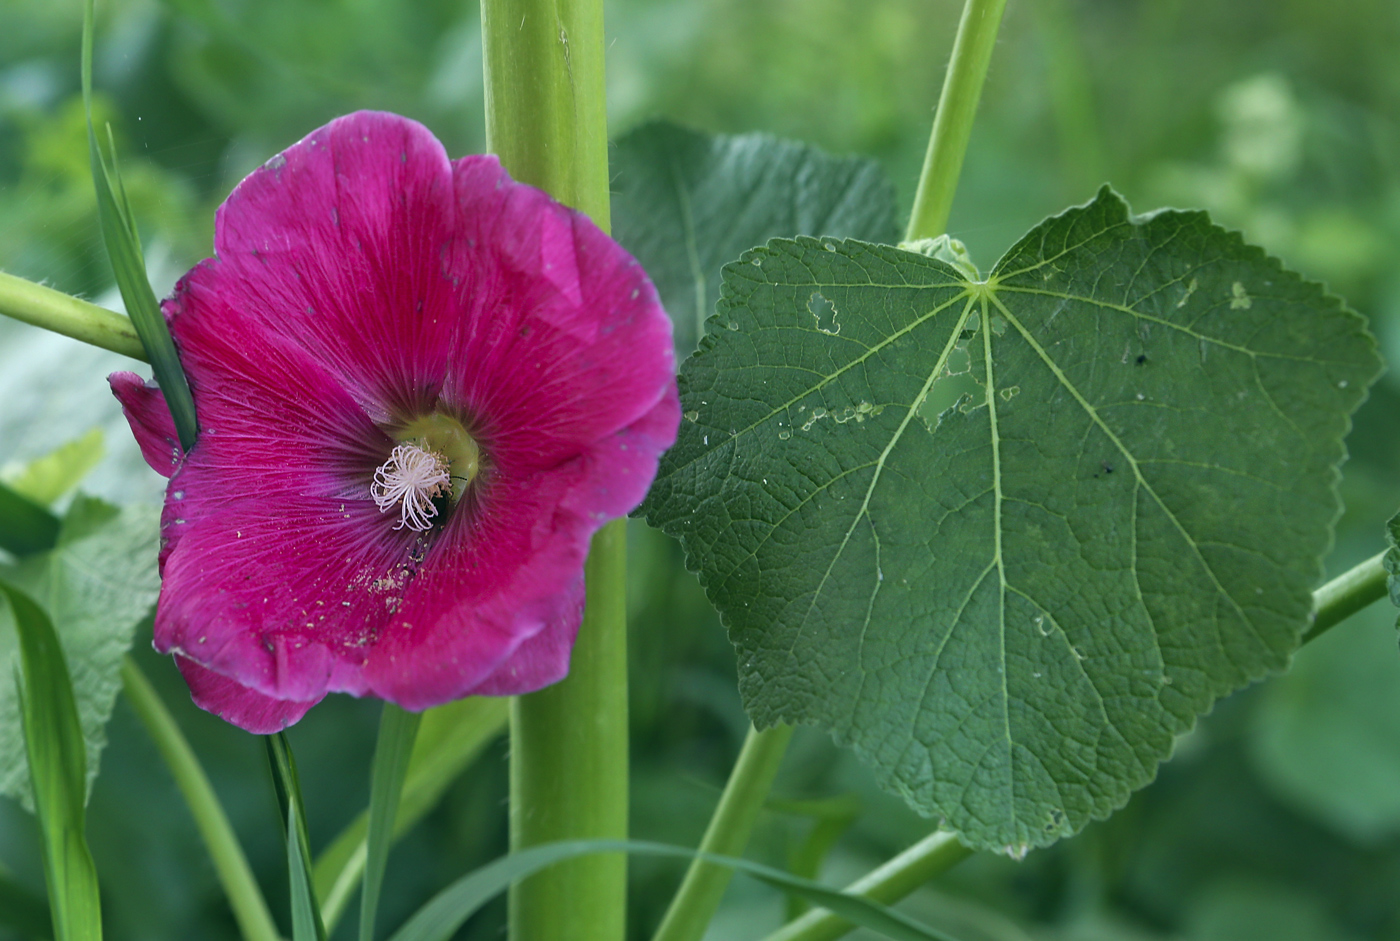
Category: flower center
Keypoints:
(410, 479)
(435, 457)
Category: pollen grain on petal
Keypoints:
(410, 479)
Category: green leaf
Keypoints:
(26, 527)
(445, 913)
(1008, 538)
(397, 730)
(306, 913)
(96, 585)
(47, 478)
(57, 766)
(1391, 561)
(685, 203)
(123, 245)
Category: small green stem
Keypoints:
(727, 835)
(931, 856)
(952, 124)
(53, 310)
(244, 897)
(1347, 594)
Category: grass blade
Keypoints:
(445, 913)
(449, 739)
(306, 913)
(25, 526)
(129, 264)
(397, 730)
(57, 756)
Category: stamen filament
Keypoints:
(411, 478)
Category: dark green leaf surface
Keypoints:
(96, 585)
(53, 742)
(1008, 538)
(1392, 560)
(685, 203)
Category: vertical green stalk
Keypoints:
(952, 125)
(546, 117)
(727, 835)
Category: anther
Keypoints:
(411, 478)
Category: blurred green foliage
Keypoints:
(1277, 819)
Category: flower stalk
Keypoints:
(546, 118)
(952, 123)
(249, 908)
(53, 310)
(727, 835)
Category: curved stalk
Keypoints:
(727, 835)
(244, 897)
(891, 882)
(53, 310)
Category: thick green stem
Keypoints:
(244, 897)
(61, 313)
(1347, 594)
(952, 124)
(728, 834)
(568, 769)
(931, 856)
(546, 117)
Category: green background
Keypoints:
(1277, 818)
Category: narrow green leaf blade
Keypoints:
(129, 266)
(307, 924)
(449, 739)
(58, 769)
(25, 526)
(445, 913)
(397, 730)
(1008, 538)
(684, 203)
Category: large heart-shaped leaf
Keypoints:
(1008, 537)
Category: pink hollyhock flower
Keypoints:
(421, 388)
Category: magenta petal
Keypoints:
(150, 420)
(245, 708)
(364, 283)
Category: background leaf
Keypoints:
(1008, 539)
(96, 585)
(685, 203)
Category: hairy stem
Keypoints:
(53, 310)
(952, 124)
(249, 908)
(727, 835)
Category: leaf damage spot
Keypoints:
(1190, 289)
(824, 313)
(1240, 299)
